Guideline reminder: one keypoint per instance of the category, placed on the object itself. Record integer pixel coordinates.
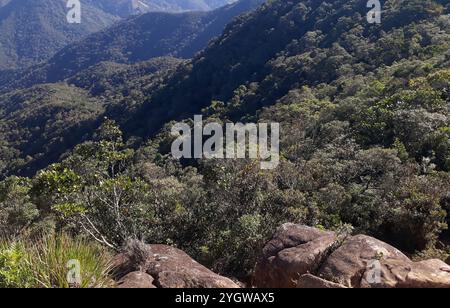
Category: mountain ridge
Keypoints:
(136, 39)
(33, 31)
(125, 8)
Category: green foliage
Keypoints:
(54, 252)
(401, 150)
(17, 211)
(14, 272)
(416, 216)
(43, 263)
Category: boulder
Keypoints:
(136, 280)
(365, 262)
(304, 257)
(348, 263)
(169, 267)
(291, 235)
(294, 251)
(426, 274)
(173, 268)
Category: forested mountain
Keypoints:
(364, 111)
(313, 41)
(31, 31)
(137, 39)
(39, 124)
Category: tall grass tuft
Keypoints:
(54, 261)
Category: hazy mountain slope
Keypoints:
(218, 3)
(137, 39)
(32, 31)
(151, 35)
(129, 7)
(3, 2)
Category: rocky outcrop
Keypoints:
(352, 263)
(294, 251)
(169, 267)
(365, 262)
(305, 257)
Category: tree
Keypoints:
(17, 212)
(91, 190)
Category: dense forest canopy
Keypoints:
(364, 111)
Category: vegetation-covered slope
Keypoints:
(39, 124)
(287, 45)
(42, 121)
(32, 31)
(137, 39)
(362, 107)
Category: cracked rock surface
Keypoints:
(167, 267)
(305, 257)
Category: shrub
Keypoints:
(48, 261)
(17, 211)
(14, 270)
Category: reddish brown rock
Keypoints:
(365, 262)
(347, 264)
(173, 268)
(294, 251)
(168, 266)
(136, 280)
(424, 274)
(304, 257)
